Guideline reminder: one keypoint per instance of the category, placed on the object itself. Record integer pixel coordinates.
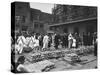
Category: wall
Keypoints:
(22, 9)
(84, 26)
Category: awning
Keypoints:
(59, 24)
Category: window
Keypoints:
(36, 25)
(41, 25)
(24, 28)
(19, 7)
(23, 19)
(20, 19)
(17, 18)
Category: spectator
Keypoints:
(40, 40)
(45, 41)
(95, 48)
(70, 40)
(56, 40)
(74, 43)
(16, 66)
(21, 43)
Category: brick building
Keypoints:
(71, 18)
(21, 16)
(40, 20)
(25, 18)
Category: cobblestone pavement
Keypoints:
(91, 63)
(88, 62)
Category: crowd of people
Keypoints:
(35, 40)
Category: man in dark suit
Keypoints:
(56, 41)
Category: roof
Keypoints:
(73, 21)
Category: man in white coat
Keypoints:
(21, 43)
(34, 42)
(74, 43)
(70, 40)
(31, 44)
(45, 41)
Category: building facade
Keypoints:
(74, 19)
(22, 16)
(67, 13)
(25, 18)
(40, 21)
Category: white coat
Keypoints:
(45, 41)
(74, 43)
(21, 43)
